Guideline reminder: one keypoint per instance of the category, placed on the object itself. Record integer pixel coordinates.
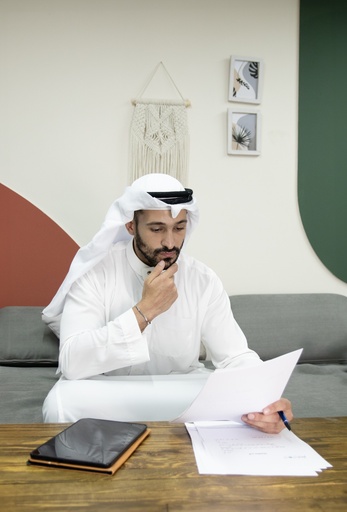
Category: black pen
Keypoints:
(284, 419)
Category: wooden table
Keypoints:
(162, 476)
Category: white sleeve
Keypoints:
(223, 338)
(91, 344)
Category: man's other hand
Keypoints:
(269, 420)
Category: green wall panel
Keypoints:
(322, 156)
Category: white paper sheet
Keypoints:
(230, 393)
(229, 448)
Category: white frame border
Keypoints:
(241, 99)
(243, 152)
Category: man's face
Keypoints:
(157, 236)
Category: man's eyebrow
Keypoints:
(158, 223)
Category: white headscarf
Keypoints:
(113, 230)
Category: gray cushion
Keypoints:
(23, 391)
(318, 390)
(276, 324)
(24, 339)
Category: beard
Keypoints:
(152, 256)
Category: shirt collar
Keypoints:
(136, 264)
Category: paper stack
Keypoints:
(229, 448)
(223, 444)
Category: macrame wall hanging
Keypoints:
(159, 138)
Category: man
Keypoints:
(132, 314)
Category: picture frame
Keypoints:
(243, 132)
(246, 79)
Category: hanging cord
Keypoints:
(139, 99)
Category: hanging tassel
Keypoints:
(159, 138)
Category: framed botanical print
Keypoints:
(245, 82)
(243, 132)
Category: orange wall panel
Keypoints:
(35, 252)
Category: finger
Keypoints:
(165, 274)
(171, 270)
(264, 426)
(258, 417)
(280, 405)
(156, 271)
(271, 424)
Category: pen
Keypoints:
(284, 419)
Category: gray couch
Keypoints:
(273, 324)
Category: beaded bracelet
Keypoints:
(144, 316)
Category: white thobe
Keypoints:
(102, 344)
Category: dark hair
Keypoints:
(137, 213)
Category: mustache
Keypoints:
(166, 249)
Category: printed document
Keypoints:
(228, 448)
(224, 445)
(230, 393)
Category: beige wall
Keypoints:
(69, 70)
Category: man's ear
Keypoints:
(130, 227)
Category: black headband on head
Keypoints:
(179, 197)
